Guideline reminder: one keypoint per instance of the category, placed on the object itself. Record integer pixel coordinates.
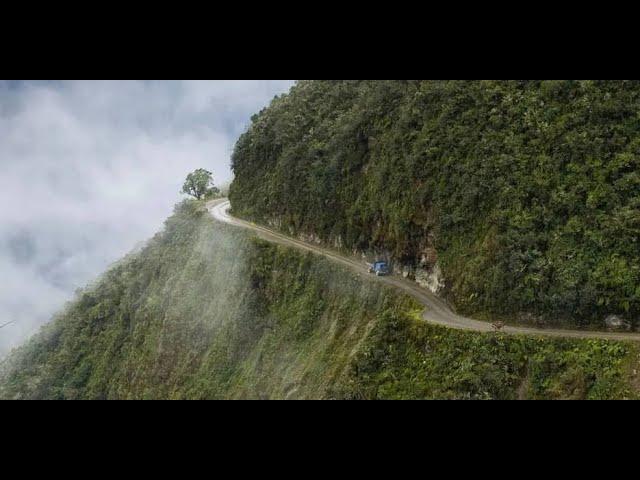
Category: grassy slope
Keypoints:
(206, 312)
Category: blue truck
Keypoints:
(379, 267)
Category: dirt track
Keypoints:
(437, 311)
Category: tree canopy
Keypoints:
(199, 184)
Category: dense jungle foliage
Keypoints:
(529, 191)
(205, 311)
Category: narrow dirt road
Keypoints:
(437, 311)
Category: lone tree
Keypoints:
(199, 184)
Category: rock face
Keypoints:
(616, 322)
(310, 238)
(428, 273)
(431, 279)
(426, 277)
(275, 222)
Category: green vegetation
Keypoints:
(529, 191)
(405, 358)
(205, 311)
(199, 185)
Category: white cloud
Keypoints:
(89, 169)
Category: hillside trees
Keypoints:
(528, 190)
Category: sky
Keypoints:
(89, 169)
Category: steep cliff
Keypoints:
(206, 311)
(524, 195)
